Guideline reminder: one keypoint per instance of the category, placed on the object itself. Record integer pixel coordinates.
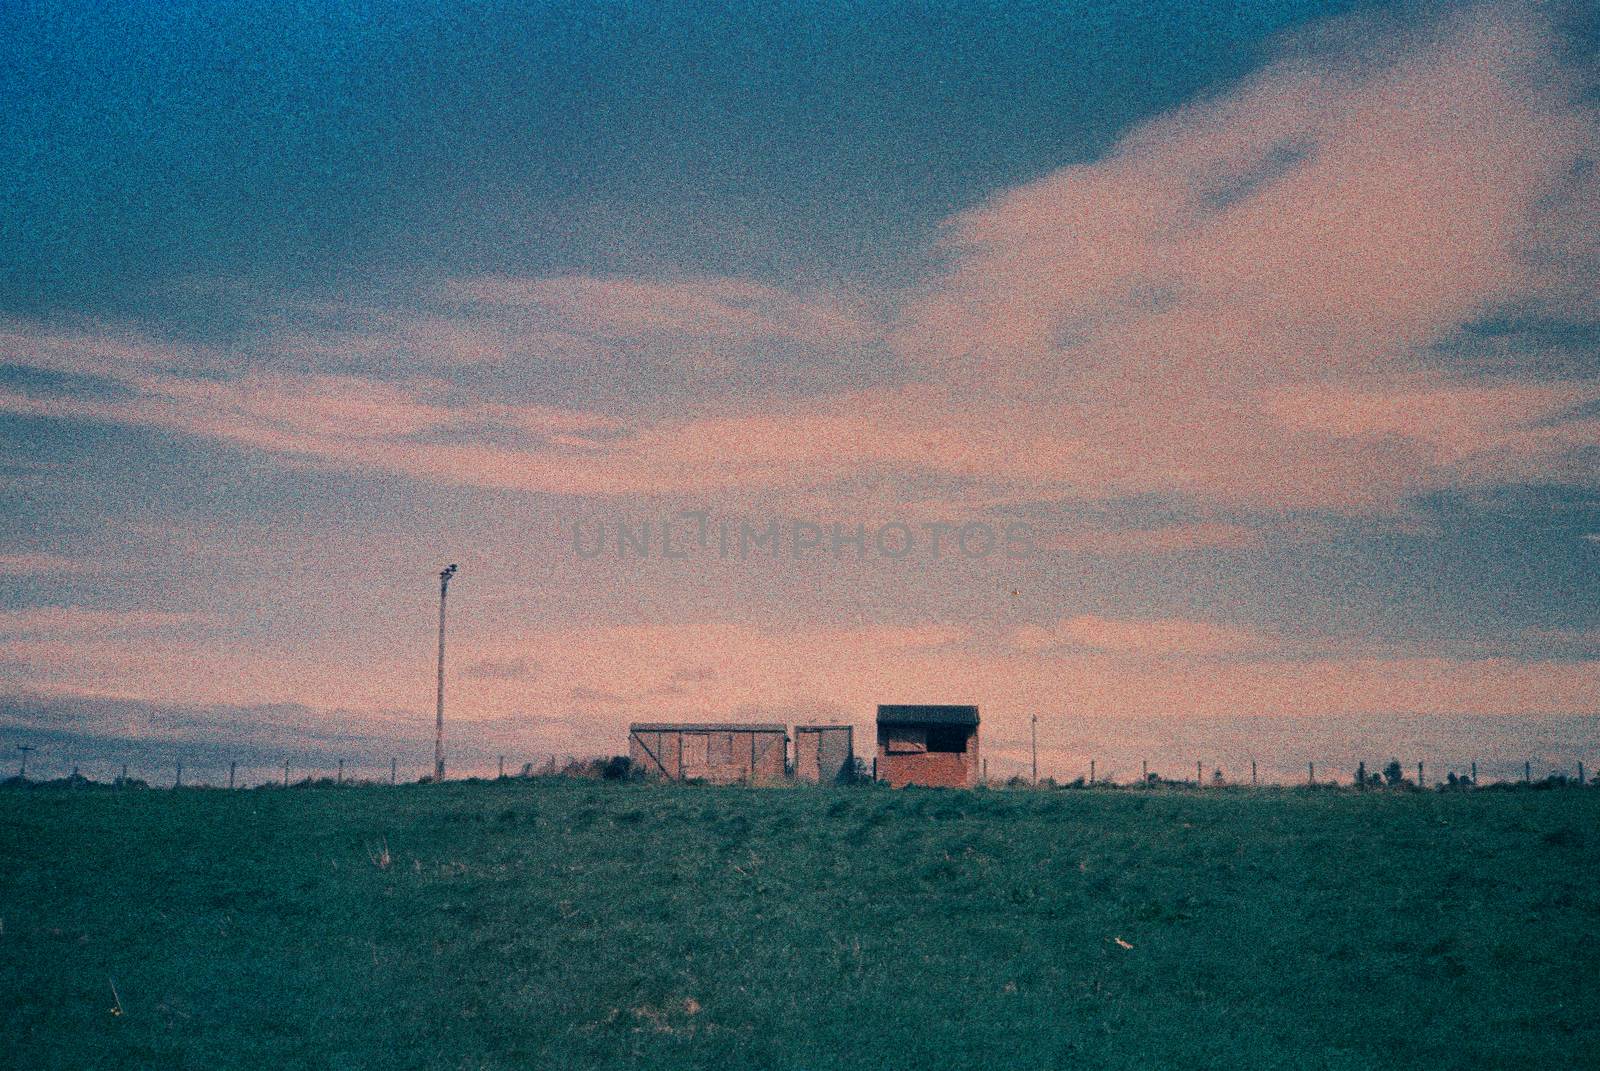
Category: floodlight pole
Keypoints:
(438, 727)
(1035, 726)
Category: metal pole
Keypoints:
(24, 748)
(393, 769)
(1091, 771)
(341, 771)
(1035, 726)
(1311, 773)
(232, 766)
(1252, 771)
(179, 782)
(438, 728)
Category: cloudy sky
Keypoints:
(1276, 330)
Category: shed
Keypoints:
(824, 754)
(720, 752)
(921, 744)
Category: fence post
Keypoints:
(1091, 771)
(503, 762)
(393, 769)
(1144, 771)
(231, 767)
(341, 772)
(1252, 771)
(1580, 775)
(1474, 773)
(1199, 779)
(1527, 773)
(286, 773)
(179, 782)
(1419, 774)
(1311, 773)
(124, 773)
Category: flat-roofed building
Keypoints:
(923, 744)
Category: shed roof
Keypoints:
(703, 727)
(812, 728)
(926, 714)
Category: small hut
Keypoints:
(824, 754)
(720, 752)
(928, 745)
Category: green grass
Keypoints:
(580, 925)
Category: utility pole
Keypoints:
(438, 728)
(1035, 724)
(25, 749)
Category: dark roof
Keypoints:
(703, 727)
(814, 727)
(921, 714)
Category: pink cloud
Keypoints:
(39, 564)
(1305, 237)
(1157, 637)
(1169, 539)
(1234, 307)
(704, 308)
(69, 621)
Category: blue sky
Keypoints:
(1276, 324)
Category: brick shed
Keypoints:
(824, 754)
(720, 752)
(928, 745)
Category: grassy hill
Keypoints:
(588, 925)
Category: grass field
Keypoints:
(587, 925)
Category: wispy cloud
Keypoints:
(1237, 307)
(1159, 637)
(37, 564)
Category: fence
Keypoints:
(44, 764)
(41, 764)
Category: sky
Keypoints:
(1214, 384)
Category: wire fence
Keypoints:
(38, 765)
